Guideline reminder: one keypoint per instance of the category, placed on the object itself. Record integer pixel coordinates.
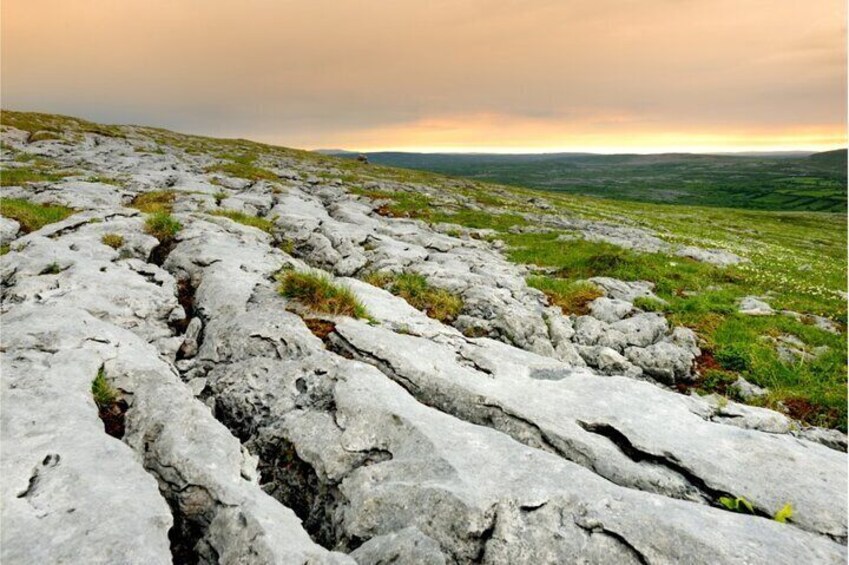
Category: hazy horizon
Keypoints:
(467, 76)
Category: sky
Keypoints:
(442, 75)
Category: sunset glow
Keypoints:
(463, 75)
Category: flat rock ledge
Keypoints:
(244, 437)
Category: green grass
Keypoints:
(797, 259)
(55, 125)
(157, 201)
(113, 240)
(20, 176)
(437, 303)
(162, 226)
(30, 215)
(253, 221)
(243, 166)
(103, 393)
(815, 183)
(573, 297)
(320, 294)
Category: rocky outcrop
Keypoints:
(246, 437)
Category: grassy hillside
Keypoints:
(796, 260)
(780, 182)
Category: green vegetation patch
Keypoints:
(162, 226)
(437, 303)
(703, 297)
(320, 294)
(53, 126)
(20, 176)
(246, 219)
(155, 202)
(32, 216)
(243, 166)
(103, 393)
(113, 240)
(573, 297)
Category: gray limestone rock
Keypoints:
(754, 306)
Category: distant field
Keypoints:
(777, 182)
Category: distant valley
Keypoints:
(766, 181)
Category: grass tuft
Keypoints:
(320, 294)
(19, 176)
(104, 394)
(162, 226)
(113, 240)
(245, 219)
(571, 297)
(157, 201)
(32, 216)
(437, 303)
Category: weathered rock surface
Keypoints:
(248, 439)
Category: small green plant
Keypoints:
(219, 197)
(320, 294)
(4, 248)
(784, 514)
(52, 269)
(245, 219)
(113, 240)
(30, 215)
(287, 246)
(104, 394)
(162, 226)
(157, 201)
(738, 504)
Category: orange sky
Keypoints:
(465, 75)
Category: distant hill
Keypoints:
(765, 181)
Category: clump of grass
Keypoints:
(219, 197)
(573, 297)
(43, 135)
(19, 176)
(320, 294)
(243, 166)
(287, 246)
(4, 248)
(52, 269)
(104, 394)
(157, 201)
(649, 304)
(246, 219)
(30, 215)
(437, 303)
(162, 226)
(113, 240)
